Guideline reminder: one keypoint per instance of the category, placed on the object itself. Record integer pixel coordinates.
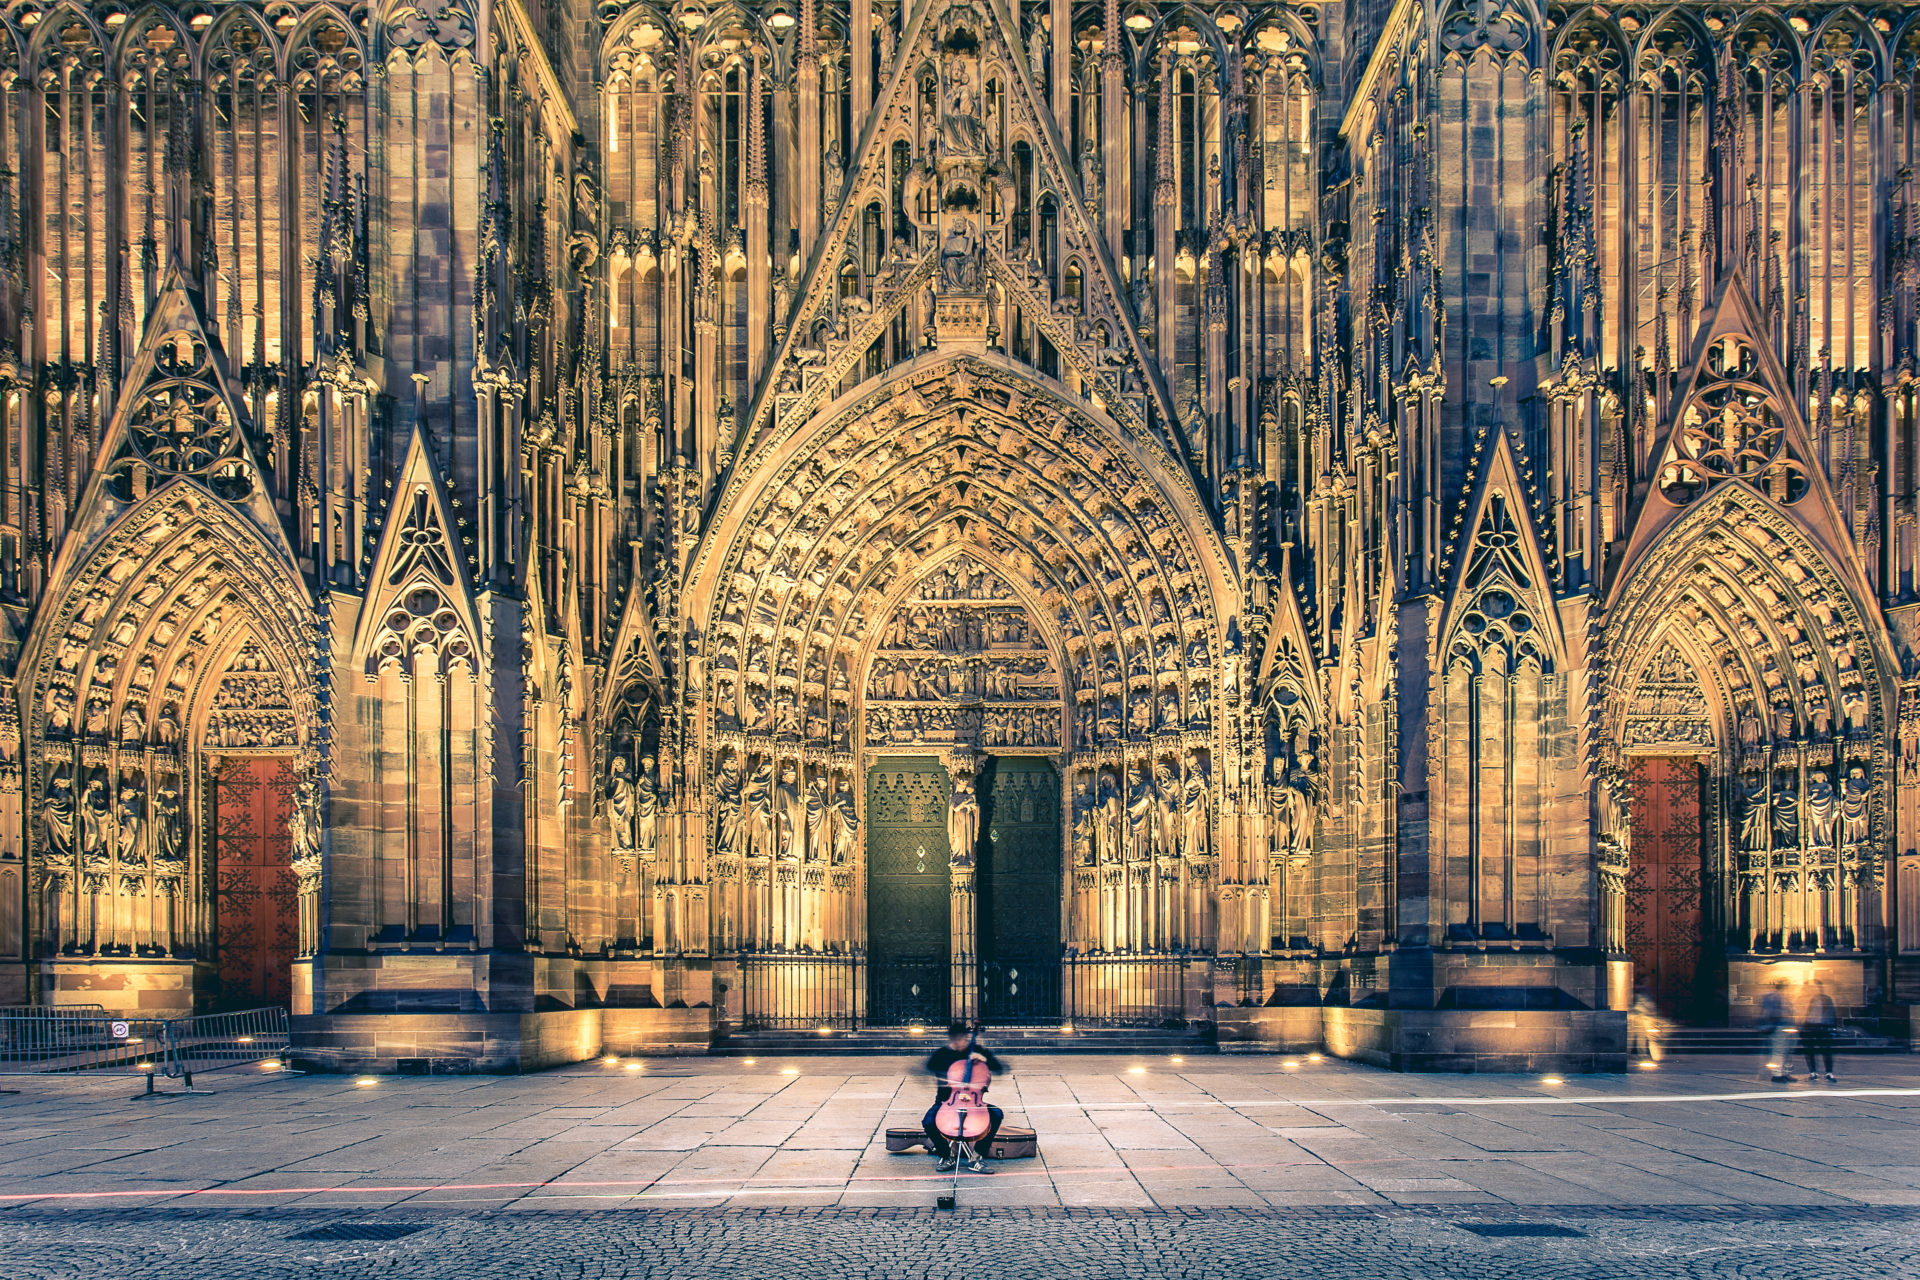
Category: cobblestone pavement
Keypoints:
(1751, 1243)
(1149, 1166)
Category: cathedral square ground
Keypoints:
(1207, 1166)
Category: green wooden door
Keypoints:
(909, 889)
(1019, 892)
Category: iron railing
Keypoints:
(801, 992)
(808, 993)
(1126, 991)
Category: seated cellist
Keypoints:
(957, 1049)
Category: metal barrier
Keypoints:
(43, 1043)
(53, 1011)
(801, 992)
(216, 1040)
(57, 1040)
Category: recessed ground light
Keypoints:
(826, 1031)
(1066, 1028)
(750, 1061)
(366, 1082)
(634, 1066)
(916, 1031)
(244, 1040)
(1291, 1064)
(1136, 1071)
(610, 1060)
(1178, 1058)
(789, 1071)
(1649, 1066)
(269, 1065)
(1313, 1057)
(1551, 1080)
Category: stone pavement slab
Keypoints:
(1125, 1133)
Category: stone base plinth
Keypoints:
(1853, 981)
(1479, 1040)
(134, 987)
(1270, 1029)
(647, 1032)
(457, 1043)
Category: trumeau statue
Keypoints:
(621, 809)
(963, 821)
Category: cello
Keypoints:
(963, 1117)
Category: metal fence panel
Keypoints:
(216, 1040)
(1126, 991)
(801, 992)
(63, 1043)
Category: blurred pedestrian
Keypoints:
(1644, 1027)
(1816, 1030)
(1774, 1025)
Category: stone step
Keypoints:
(898, 1041)
(1847, 1040)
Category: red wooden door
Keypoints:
(255, 896)
(1665, 918)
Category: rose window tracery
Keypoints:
(181, 426)
(1731, 429)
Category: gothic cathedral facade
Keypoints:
(529, 527)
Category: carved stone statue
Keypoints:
(790, 815)
(620, 810)
(1755, 815)
(1294, 811)
(1856, 807)
(1197, 809)
(727, 808)
(1109, 821)
(843, 826)
(1166, 834)
(962, 135)
(1823, 809)
(963, 821)
(1084, 852)
(97, 837)
(170, 835)
(646, 809)
(1141, 803)
(757, 809)
(56, 817)
(959, 255)
(1786, 818)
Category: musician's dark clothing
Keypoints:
(937, 1063)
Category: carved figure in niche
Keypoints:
(727, 807)
(843, 825)
(1856, 804)
(170, 835)
(1754, 814)
(790, 814)
(646, 809)
(130, 827)
(1109, 819)
(1141, 805)
(1823, 809)
(166, 728)
(1294, 810)
(1084, 851)
(56, 816)
(1167, 810)
(620, 810)
(757, 809)
(959, 263)
(97, 836)
(1786, 815)
(1196, 809)
(303, 828)
(1749, 728)
(963, 821)
(962, 135)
